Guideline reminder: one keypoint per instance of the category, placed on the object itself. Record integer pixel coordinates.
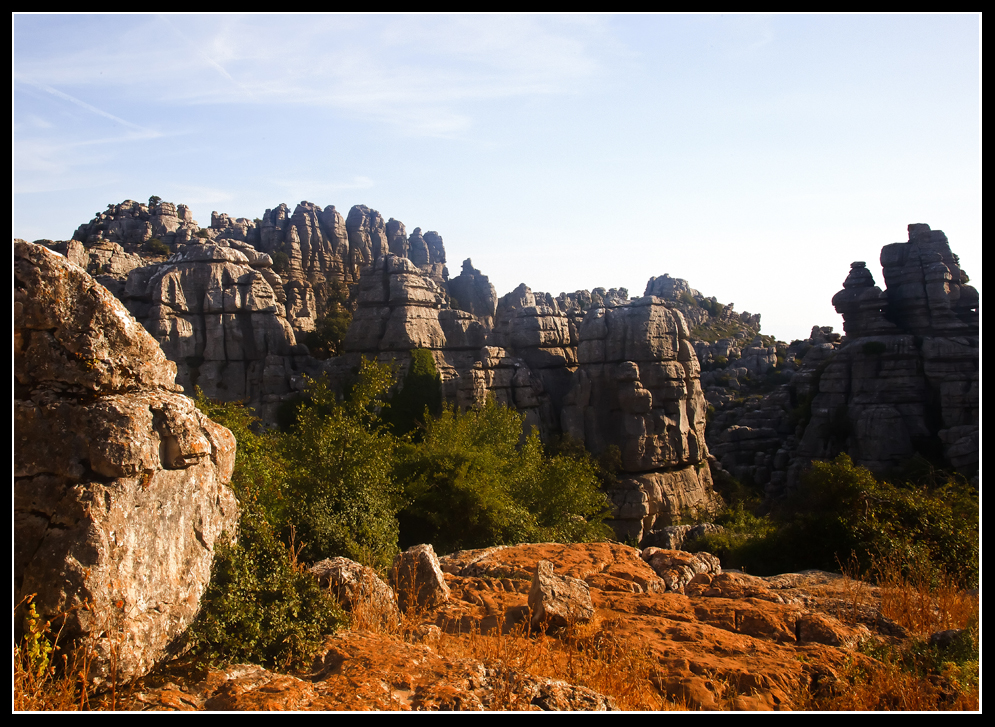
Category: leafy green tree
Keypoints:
(260, 606)
(341, 458)
(420, 395)
(469, 485)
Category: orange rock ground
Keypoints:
(732, 641)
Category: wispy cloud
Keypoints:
(410, 71)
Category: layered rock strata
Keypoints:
(906, 381)
(637, 388)
(119, 481)
(220, 315)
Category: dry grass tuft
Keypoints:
(915, 674)
(46, 677)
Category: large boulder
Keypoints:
(119, 481)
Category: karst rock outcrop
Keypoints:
(902, 383)
(120, 483)
(906, 381)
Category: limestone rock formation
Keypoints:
(637, 388)
(417, 578)
(222, 319)
(906, 381)
(472, 292)
(119, 481)
(558, 601)
(358, 590)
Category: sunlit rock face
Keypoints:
(120, 483)
(222, 321)
(637, 388)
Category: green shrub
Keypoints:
(341, 458)
(469, 485)
(260, 606)
(158, 247)
(329, 333)
(420, 395)
(281, 262)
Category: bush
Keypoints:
(329, 332)
(420, 396)
(158, 247)
(261, 606)
(468, 485)
(281, 262)
(840, 508)
(341, 458)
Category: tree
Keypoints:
(420, 396)
(341, 458)
(154, 201)
(469, 485)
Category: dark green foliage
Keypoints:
(341, 460)
(260, 475)
(468, 485)
(421, 393)
(154, 201)
(840, 508)
(202, 233)
(281, 262)
(329, 332)
(713, 307)
(157, 246)
(687, 299)
(260, 607)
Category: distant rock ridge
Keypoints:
(612, 371)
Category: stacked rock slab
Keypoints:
(220, 316)
(637, 388)
(906, 380)
(119, 482)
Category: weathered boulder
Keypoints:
(358, 590)
(119, 481)
(418, 579)
(678, 568)
(558, 601)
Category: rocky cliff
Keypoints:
(119, 482)
(233, 302)
(906, 380)
(902, 383)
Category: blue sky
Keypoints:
(756, 156)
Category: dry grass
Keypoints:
(585, 655)
(912, 675)
(47, 678)
(923, 600)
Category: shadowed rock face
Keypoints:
(906, 380)
(119, 481)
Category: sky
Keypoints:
(755, 156)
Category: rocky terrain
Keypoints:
(706, 639)
(233, 302)
(120, 483)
